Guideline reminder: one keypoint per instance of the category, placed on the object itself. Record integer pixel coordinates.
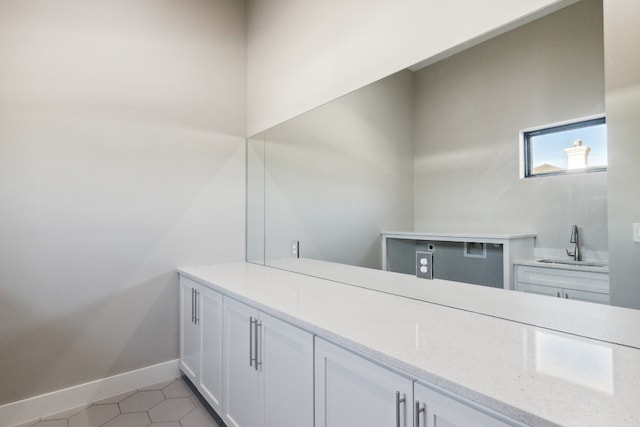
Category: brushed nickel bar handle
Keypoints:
(417, 412)
(251, 341)
(398, 402)
(193, 299)
(197, 307)
(258, 344)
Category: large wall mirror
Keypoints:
(436, 150)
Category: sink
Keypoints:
(572, 262)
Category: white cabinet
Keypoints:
(240, 408)
(436, 409)
(210, 322)
(287, 374)
(189, 336)
(201, 339)
(353, 391)
(268, 370)
(588, 286)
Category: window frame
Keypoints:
(525, 145)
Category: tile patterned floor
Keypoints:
(169, 404)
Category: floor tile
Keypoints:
(198, 418)
(141, 401)
(136, 419)
(177, 388)
(172, 409)
(171, 403)
(196, 401)
(52, 423)
(93, 416)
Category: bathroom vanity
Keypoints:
(584, 283)
(297, 350)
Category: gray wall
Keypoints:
(468, 114)
(622, 64)
(121, 157)
(340, 174)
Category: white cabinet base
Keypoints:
(437, 409)
(201, 339)
(189, 331)
(287, 375)
(210, 312)
(352, 391)
(268, 370)
(240, 384)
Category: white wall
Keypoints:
(622, 65)
(121, 158)
(469, 111)
(302, 54)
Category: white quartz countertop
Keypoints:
(535, 375)
(456, 236)
(535, 262)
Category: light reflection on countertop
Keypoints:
(582, 362)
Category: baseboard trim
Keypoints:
(82, 394)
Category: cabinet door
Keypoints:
(441, 410)
(240, 380)
(539, 289)
(189, 331)
(210, 323)
(353, 391)
(586, 296)
(286, 357)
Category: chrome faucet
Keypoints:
(575, 239)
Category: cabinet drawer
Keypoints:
(353, 391)
(568, 279)
(551, 291)
(554, 291)
(586, 296)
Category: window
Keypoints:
(579, 146)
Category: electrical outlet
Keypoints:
(424, 265)
(636, 232)
(295, 248)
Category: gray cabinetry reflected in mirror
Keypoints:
(435, 150)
